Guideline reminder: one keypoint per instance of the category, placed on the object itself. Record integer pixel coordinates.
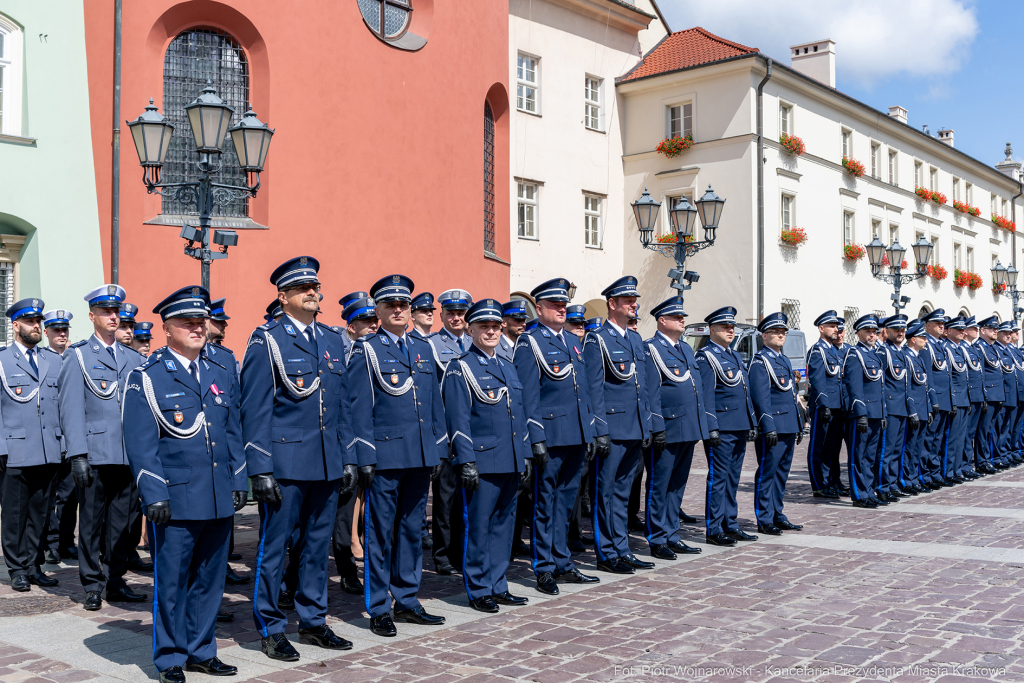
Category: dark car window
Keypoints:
(696, 341)
(796, 346)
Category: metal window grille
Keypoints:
(7, 297)
(392, 15)
(196, 56)
(850, 316)
(488, 178)
(881, 315)
(791, 307)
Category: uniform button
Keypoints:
(385, 438)
(321, 372)
(421, 421)
(282, 439)
(204, 406)
(214, 464)
(167, 481)
(214, 443)
(419, 404)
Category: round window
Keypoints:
(388, 19)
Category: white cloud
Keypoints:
(875, 39)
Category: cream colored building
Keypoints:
(566, 137)
(705, 85)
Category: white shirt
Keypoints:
(463, 338)
(670, 342)
(394, 337)
(25, 350)
(107, 346)
(185, 362)
(618, 329)
(302, 328)
(557, 334)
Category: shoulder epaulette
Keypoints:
(149, 363)
(329, 328)
(79, 343)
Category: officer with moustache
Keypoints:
(985, 443)
(549, 362)
(940, 383)
(33, 447)
(731, 424)
(483, 402)
(93, 379)
(63, 509)
(823, 394)
(902, 418)
(678, 409)
(862, 380)
(297, 430)
(839, 432)
(422, 315)
(1016, 455)
(976, 395)
(773, 394)
(956, 432)
(400, 437)
(513, 324)
(142, 338)
(917, 397)
(185, 450)
(616, 368)
(1004, 421)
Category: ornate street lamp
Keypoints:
(896, 277)
(1008, 277)
(645, 210)
(208, 116)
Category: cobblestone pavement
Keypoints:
(931, 588)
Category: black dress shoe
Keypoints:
(20, 583)
(986, 469)
(636, 525)
(787, 525)
(826, 493)
(521, 549)
(484, 604)
(899, 493)
(662, 552)
(234, 557)
(866, 503)
(445, 569)
(719, 539)
(575, 576)
(957, 479)
(382, 625)
(418, 615)
(636, 563)
(234, 579)
(172, 674)
(615, 566)
(427, 542)
(842, 490)
(507, 598)
(680, 548)
(93, 601)
(69, 553)
(769, 529)
(285, 600)
(323, 636)
(276, 646)
(51, 557)
(740, 535)
(351, 585)
(576, 546)
(125, 594)
(546, 584)
(878, 501)
(212, 667)
(888, 497)
(41, 579)
(224, 617)
(140, 565)
(685, 518)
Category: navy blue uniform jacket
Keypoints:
(823, 389)
(676, 391)
(771, 390)
(862, 379)
(728, 406)
(617, 382)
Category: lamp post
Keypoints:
(877, 251)
(1008, 277)
(683, 217)
(208, 116)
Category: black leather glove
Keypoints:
(540, 456)
(771, 439)
(365, 476)
(159, 513)
(915, 421)
(862, 425)
(348, 479)
(265, 488)
(984, 407)
(931, 418)
(602, 446)
(826, 415)
(469, 476)
(239, 499)
(658, 441)
(885, 423)
(435, 471)
(799, 437)
(952, 413)
(524, 476)
(81, 472)
(588, 455)
(714, 438)
(646, 443)
(752, 434)
(935, 408)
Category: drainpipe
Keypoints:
(1013, 217)
(115, 166)
(760, 190)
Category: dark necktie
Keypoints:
(462, 347)
(193, 369)
(309, 336)
(110, 350)
(32, 361)
(401, 347)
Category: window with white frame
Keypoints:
(956, 189)
(7, 298)
(969, 259)
(1003, 212)
(933, 179)
(892, 168)
(592, 114)
(592, 221)
(918, 174)
(788, 212)
(528, 196)
(848, 233)
(847, 143)
(876, 228)
(995, 260)
(10, 77)
(528, 83)
(680, 120)
(894, 233)
(969, 193)
(876, 162)
(993, 205)
(957, 256)
(785, 118)
(935, 250)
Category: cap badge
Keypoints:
(302, 261)
(195, 291)
(179, 416)
(61, 314)
(395, 279)
(490, 302)
(111, 290)
(35, 302)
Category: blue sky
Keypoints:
(951, 63)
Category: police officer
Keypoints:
(902, 418)
(400, 436)
(976, 395)
(593, 324)
(956, 432)
(422, 315)
(823, 394)
(862, 381)
(296, 429)
(483, 402)
(447, 344)
(941, 393)
(274, 311)
(839, 432)
(576, 319)
(549, 362)
(773, 394)
(142, 338)
(994, 395)
(678, 409)
(513, 319)
(186, 452)
(531, 325)
(616, 368)
(126, 327)
(360, 316)
(911, 471)
(1016, 455)
(731, 424)
(93, 379)
(63, 509)
(57, 325)
(33, 447)
(1005, 417)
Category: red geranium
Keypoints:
(853, 252)
(674, 146)
(1004, 223)
(794, 236)
(853, 167)
(792, 144)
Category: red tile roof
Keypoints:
(684, 49)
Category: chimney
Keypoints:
(946, 135)
(817, 60)
(1008, 166)
(898, 113)
(924, 129)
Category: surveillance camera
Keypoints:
(191, 234)
(691, 276)
(225, 238)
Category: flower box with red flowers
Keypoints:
(965, 278)
(674, 146)
(673, 238)
(1004, 223)
(999, 289)
(792, 144)
(885, 261)
(853, 167)
(964, 207)
(794, 237)
(930, 196)
(937, 272)
(853, 252)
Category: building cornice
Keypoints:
(619, 14)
